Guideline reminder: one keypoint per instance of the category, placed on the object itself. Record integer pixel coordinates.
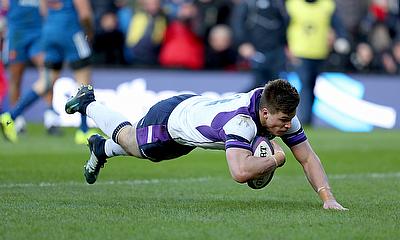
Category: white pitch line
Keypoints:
(365, 175)
(184, 180)
(127, 182)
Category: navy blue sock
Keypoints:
(83, 127)
(26, 100)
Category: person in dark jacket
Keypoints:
(259, 28)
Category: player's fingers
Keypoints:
(335, 207)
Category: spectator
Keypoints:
(362, 59)
(109, 41)
(182, 48)
(260, 32)
(125, 9)
(209, 14)
(219, 51)
(146, 32)
(309, 40)
(172, 8)
(380, 31)
(396, 54)
(101, 7)
(351, 13)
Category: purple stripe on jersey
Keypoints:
(215, 135)
(215, 132)
(160, 133)
(294, 139)
(237, 144)
(141, 135)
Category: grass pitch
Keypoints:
(43, 194)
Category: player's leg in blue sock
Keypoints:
(26, 100)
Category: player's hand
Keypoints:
(333, 204)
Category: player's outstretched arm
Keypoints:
(315, 174)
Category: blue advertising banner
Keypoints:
(346, 102)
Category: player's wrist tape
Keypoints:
(276, 162)
(320, 189)
(325, 194)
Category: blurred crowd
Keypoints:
(268, 37)
(208, 34)
(205, 34)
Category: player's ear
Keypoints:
(265, 112)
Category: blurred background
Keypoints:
(342, 55)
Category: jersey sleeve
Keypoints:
(295, 134)
(240, 130)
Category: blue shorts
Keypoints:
(154, 141)
(63, 46)
(22, 45)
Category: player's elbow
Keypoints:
(239, 164)
(240, 175)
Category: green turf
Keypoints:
(43, 194)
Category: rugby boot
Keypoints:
(81, 100)
(7, 126)
(97, 158)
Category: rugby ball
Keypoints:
(261, 147)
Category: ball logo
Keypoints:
(263, 151)
(260, 182)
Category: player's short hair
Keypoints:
(280, 96)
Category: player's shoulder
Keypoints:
(241, 125)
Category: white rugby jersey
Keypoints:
(222, 123)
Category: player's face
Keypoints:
(278, 123)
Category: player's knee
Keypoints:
(81, 63)
(57, 66)
(124, 138)
(41, 87)
(127, 140)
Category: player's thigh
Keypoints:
(16, 47)
(53, 57)
(53, 50)
(35, 49)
